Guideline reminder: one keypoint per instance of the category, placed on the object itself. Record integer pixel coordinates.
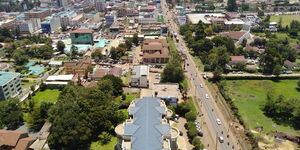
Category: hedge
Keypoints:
(260, 77)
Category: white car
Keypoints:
(218, 121)
(221, 139)
(206, 96)
(201, 85)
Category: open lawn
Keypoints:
(98, 146)
(249, 96)
(46, 96)
(286, 19)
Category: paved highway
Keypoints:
(201, 91)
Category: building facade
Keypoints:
(140, 76)
(10, 85)
(51, 24)
(82, 36)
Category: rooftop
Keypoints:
(82, 31)
(6, 77)
(139, 71)
(147, 129)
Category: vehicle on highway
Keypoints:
(218, 121)
(221, 139)
(201, 85)
(206, 96)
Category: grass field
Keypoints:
(249, 96)
(286, 19)
(284, 35)
(46, 96)
(98, 146)
(172, 45)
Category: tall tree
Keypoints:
(173, 72)
(74, 52)
(231, 5)
(135, 39)
(11, 114)
(61, 47)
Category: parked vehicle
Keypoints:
(218, 121)
(206, 96)
(221, 139)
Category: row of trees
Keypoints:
(22, 50)
(117, 53)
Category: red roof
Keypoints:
(116, 71)
(82, 31)
(238, 58)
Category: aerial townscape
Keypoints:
(149, 74)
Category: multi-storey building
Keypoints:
(51, 24)
(10, 85)
(42, 13)
(82, 36)
(79, 68)
(148, 127)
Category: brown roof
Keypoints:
(11, 138)
(289, 63)
(235, 35)
(82, 31)
(238, 58)
(164, 42)
(25, 143)
(99, 73)
(116, 71)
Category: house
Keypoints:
(80, 67)
(115, 71)
(237, 59)
(140, 76)
(236, 36)
(82, 36)
(98, 73)
(5, 67)
(168, 92)
(148, 127)
(10, 85)
(290, 65)
(59, 79)
(55, 63)
(155, 51)
(41, 142)
(15, 140)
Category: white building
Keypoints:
(204, 17)
(140, 76)
(59, 79)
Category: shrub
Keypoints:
(197, 143)
(190, 116)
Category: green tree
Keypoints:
(74, 52)
(105, 137)
(135, 39)
(128, 44)
(197, 143)
(61, 47)
(97, 54)
(240, 66)
(298, 83)
(38, 116)
(245, 7)
(269, 60)
(173, 72)
(117, 84)
(20, 57)
(231, 6)
(11, 114)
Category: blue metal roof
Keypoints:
(147, 129)
(6, 77)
